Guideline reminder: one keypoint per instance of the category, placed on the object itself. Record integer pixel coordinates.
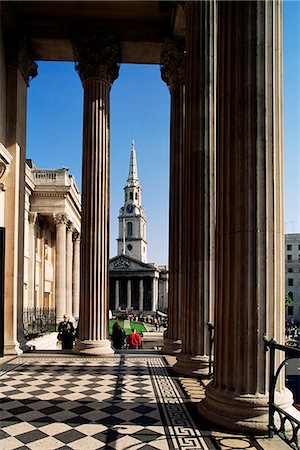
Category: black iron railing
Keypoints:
(211, 336)
(287, 427)
(37, 321)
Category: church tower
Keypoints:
(132, 218)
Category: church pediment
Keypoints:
(125, 263)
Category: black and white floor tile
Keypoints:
(119, 402)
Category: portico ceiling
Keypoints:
(140, 26)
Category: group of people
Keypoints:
(120, 340)
(67, 334)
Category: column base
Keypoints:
(12, 348)
(89, 347)
(171, 347)
(247, 413)
(191, 366)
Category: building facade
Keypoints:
(292, 276)
(135, 285)
(51, 241)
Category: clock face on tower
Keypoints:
(129, 208)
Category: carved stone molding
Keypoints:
(172, 63)
(96, 58)
(61, 218)
(70, 226)
(122, 264)
(2, 169)
(20, 54)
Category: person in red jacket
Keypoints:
(134, 340)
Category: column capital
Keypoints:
(20, 54)
(61, 218)
(172, 63)
(32, 216)
(70, 226)
(76, 236)
(96, 58)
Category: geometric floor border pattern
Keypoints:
(69, 402)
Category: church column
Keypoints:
(20, 68)
(69, 261)
(197, 293)
(141, 295)
(154, 299)
(76, 274)
(96, 63)
(61, 220)
(172, 72)
(117, 295)
(250, 228)
(129, 294)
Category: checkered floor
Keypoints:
(119, 402)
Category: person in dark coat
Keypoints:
(118, 336)
(66, 333)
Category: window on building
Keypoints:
(289, 257)
(129, 246)
(289, 247)
(136, 195)
(298, 246)
(299, 257)
(131, 195)
(126, 197)
(129, 229)
(291, 281)
(291, 295)
(290, 269)
(290, 310)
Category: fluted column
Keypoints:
(69, 270)
(76, 274)
(32, 217)
(173, 73)
(154, 299)
(117, 295)
(96, 63)
(250, 228)
(129, 294)
(141, 295)
(197, 293)
(19, 70)
(61, 221)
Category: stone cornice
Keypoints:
(96, 58)
(172, 63)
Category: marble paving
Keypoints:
(72, 402)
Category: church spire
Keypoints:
(133, 179)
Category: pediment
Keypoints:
(124, 263)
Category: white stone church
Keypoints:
(135, 284)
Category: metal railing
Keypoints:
(288, 427)
(211, 337)
(37, 321)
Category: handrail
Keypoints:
(211, 335)
(285, 417)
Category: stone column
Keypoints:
(20, 68)
(250, 228)
(173, 73)
(96, 63)
(154, 294)
(69, 270)
(76, 274)
(117, 295)
(61, 221)
(141, 295)
(129, 295)
(197, 293)
(32, 217)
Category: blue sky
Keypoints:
(140, 107)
